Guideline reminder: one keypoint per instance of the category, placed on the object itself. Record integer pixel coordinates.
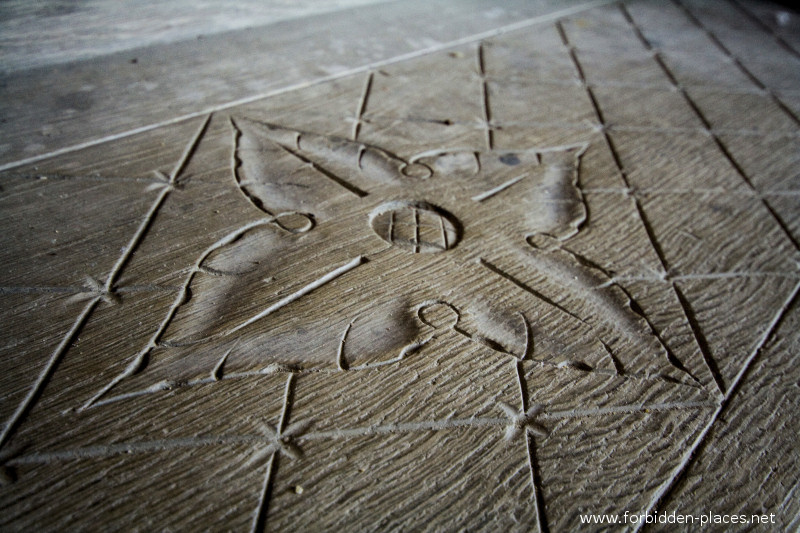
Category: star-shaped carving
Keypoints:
(281, 442)
(521, 423)
(95, 289)
(379, 235)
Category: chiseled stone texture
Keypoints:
(516, 277)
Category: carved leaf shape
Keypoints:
(272, 177)
(545, 181)
(281, 169)
(242, 277)
(607, 304)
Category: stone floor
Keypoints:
(406, 266)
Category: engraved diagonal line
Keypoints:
(536, 484)
(527, 288)
(720, 145)
(148, 219)
(47, 371)
(287, 400)
(416, 231)
(62, 348)
(665, 489)
(519, 373)
(362, 106)
(325, 172)
(341, 361)
(700, 337)
(736, 61)
(217, 373)
(260, 515)
(500, 188)
(555, 15)
(330, 276)
(707, 358)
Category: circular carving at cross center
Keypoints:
(417, 227)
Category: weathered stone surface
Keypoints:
(539, 269)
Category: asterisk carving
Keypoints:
(281, 442)
(520, 423)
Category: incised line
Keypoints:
(530, 446)
(328, 174)
(766, 29)
(704, 120)
(500, 188)
(341, 362)
(318, 81)
(527, 288)
(665, 489)
(637, 203)
(148, 219)
(47, 371)
(330, 276)
(140, 360)
(99, 451)
(362, 106)
(260, 515)
(487, 110)
(217, 373)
